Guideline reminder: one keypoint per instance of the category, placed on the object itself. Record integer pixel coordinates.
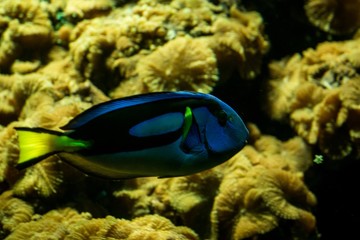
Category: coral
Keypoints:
(49, 98)
(13, 211)
(334, 16)
(9, 152)
(53, 81)
(187, 199)
(87, 9)
(261, 188)
(147, 227)
(39, 99)
(55, 223)
(141, 47)
(24, 26)
(190, 66)
(239, 43)
(117, 37)
(15, 90)
(318, 94)
(43, 179)
(68, 224)
(24, 67)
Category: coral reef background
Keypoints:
(290, 68)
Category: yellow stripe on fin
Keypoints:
(36, 144)
(188, 117)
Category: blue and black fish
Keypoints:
(158, 134)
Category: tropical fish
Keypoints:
(163, 134)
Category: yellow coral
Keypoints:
(239, 43)
(142, 46)
(27, 26)
(117, 37)
(54, 80)
(262, 186)
(55, 223)
(9, 152)
(335, 16)
(186, 198)
(310, 92)
(42, 179)
(67, 223)
(40, 99)
(147, 227)
(13, 211)
(183, 63)
(87, 9)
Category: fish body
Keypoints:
(162, 134)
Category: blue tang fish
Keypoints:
(163, 134)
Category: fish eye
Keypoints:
(222, 118)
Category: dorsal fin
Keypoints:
(131, 101)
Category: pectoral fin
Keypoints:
(191, 134)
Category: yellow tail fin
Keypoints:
(37, 144)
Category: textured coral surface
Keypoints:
(318, 93)
(335, 16)
(282, 66)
